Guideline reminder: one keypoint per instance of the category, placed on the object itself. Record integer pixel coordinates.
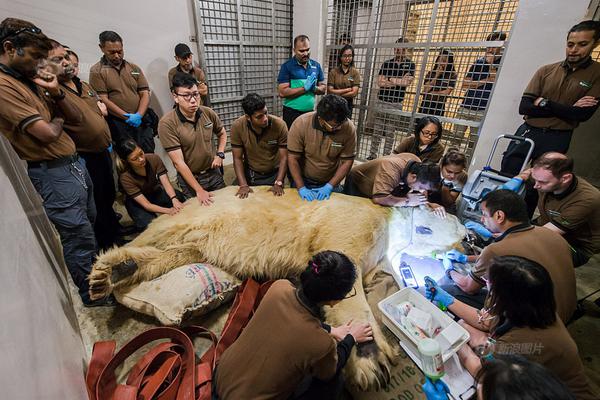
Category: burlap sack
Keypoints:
(186, 291)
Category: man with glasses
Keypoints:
(187, 133)
(30, 101)
(124, 89)
(185, 64)
(321, 149)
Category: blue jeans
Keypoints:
(68, 199)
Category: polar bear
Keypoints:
(269, 237)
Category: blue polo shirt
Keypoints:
(295, 74)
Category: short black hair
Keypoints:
(401, 39)
(329, 275)
(55, 44)
(109, 36)
(494, 36)
(29, 35)
(516, 378)
(184, 80)
(521, 293)
(333, 108)
(125, 148)
(511, 204)
(300, 38)
(342, 50)
(427, 173)
(422, 123)
(72, 53)
(252, 103)
(588, 25)
(559, 165)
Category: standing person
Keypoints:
(185, 64)
(300, 79)
(321, 149)
(146, 185)
(558, 98)
(33, 110)
(92, 140)
(394, 76)
(479, 82)
(438, 84)
(425, 142)
(259, 147)
(344, 80)
(187, 134)
(124, 89)
(299, 356)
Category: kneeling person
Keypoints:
(259, 147)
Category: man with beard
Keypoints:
(185, 64)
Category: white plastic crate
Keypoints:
(411, 295)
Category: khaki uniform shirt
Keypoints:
(121, 85)
(91, 135)
(193, 138)
(343, 80)
(261, 151)
(134, 184)
(553, 348)
(432, 153)
(283, 343)
(543, 246)
(576, 212)
(196, 73)
(382, 176)
(21, 104)
(557, 82)
(322, 152)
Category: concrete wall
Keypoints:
(537, 38)
(310, 18)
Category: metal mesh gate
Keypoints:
(243, 42)
(459, 30)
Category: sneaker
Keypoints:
(109, 301)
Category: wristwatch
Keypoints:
(221, 155)
(278, 183)
(543, 103)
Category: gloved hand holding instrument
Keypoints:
(434, 293)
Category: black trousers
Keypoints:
(140, 216)
(290, 115)
(254, 178)
(100, 168)
(120, 131)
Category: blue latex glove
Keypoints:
(310, 83)
(456, 255)
(478, 229)
(514, 184)
(323, 192)
(447, 263)
(435, 390)
(134, 120)
(433, 292)
(307, 194)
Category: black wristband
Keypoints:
(173, 197)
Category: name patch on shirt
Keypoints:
(208, 125)
(585, 84)
(272, 142)
(334, 144)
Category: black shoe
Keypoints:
(125, 230)
(109, 301)
(119, 216)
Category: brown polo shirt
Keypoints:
(194, 138)
(21, 104)
(382, 176)
(543, 246)
(283, 343)
(343, 80)
(557, 82)
(322, 151)
(553, 348)
(576, 212)
(432, 153)
(122, 85)
(134, 184)
(91, 135)
(261, 151)
(196, 72)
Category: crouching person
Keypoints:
(146, 185)
(286, 352)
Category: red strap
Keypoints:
(102, 352)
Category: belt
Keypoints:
(546, 130)
(59, 162)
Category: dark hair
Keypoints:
(454, 157)
(422, 123)
(55, 44)
(30, 35)
(588, 25)
(494, 36)
(329, 275)
(558, 164)
(300, 38)
(507, 201)
(109, 36)
(123, 150)
(342, 50)
(332, 108)
(449, 71)
(516, 378)
(72, 53)
(401, 39)
(427, 173)
(184, 80)
(521, 292)
(253, 103)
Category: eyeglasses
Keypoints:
(329, 127)
(430, 135)
(188, 96)
(30, 29)
(351, 294)
(346, 56)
